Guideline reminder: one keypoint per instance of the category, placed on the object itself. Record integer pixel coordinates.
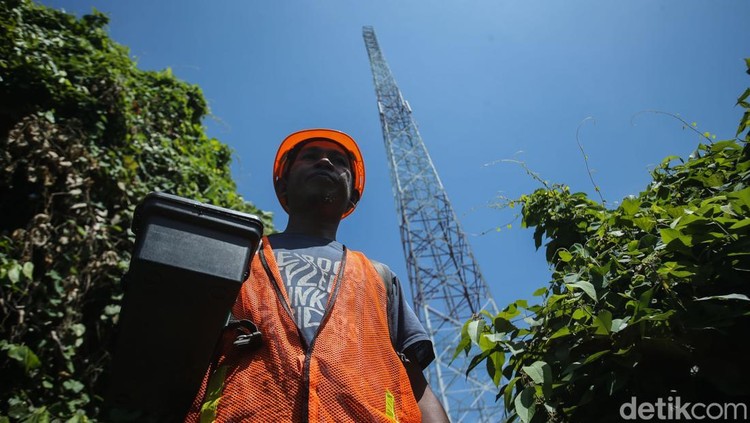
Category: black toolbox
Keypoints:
(188, 264)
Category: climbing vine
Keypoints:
(84, 136)
(649, 300)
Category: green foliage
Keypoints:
(648, 300)
(84, 136)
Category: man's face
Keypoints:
(320, 176)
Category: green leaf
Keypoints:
(73, 385)
(673, 211)
(540, 291)
(465, 343)
(565, 255)
(521, 304)
(78, 418)
(14, 273)
(477, 359)
(495, 363)
(644, 223)
(725, 145)
(668, 235)
(587, 287)
(539, 371)
(40, 415)
(619, 324)
(475, 330)
(595, 356)
(603, 323)
(744, 96)
(744, 223)
(672, 268)
(486, 343)
(509, 312)
(570, 369)
(744, 122)
(493, 337)
(49, 116)
(581, 250)
(563, 331)
(78, 329)
(508, 393)
(525, 405)
(579, 314)
(23, 355)
(503, 325)
(571, 277)
(630, 205)
(28, 270)
(648, 241)
(674, 238)
(740, 199)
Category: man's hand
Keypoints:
(431, 408)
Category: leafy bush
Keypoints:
(649, 300)
(84, 136)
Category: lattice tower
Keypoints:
(446, 285)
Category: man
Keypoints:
(335, 347)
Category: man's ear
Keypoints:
(280, 186)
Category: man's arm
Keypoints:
(431, 408)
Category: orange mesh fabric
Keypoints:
(354, 369)
(351, 373)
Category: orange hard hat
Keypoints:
(290, 142)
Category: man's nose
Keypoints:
(324, 161)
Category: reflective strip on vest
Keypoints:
(213, 395)
(350, 372)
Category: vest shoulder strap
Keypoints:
(392, 298)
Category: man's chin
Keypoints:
(322, 175)
(324, 206)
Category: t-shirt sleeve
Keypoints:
(411, 337)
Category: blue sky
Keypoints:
(487, 80)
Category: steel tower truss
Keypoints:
(446, 285)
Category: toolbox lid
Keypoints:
(222, 219)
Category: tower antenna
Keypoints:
(446, 285)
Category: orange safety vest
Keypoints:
(350, 372)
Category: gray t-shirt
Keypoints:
(308, 267)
